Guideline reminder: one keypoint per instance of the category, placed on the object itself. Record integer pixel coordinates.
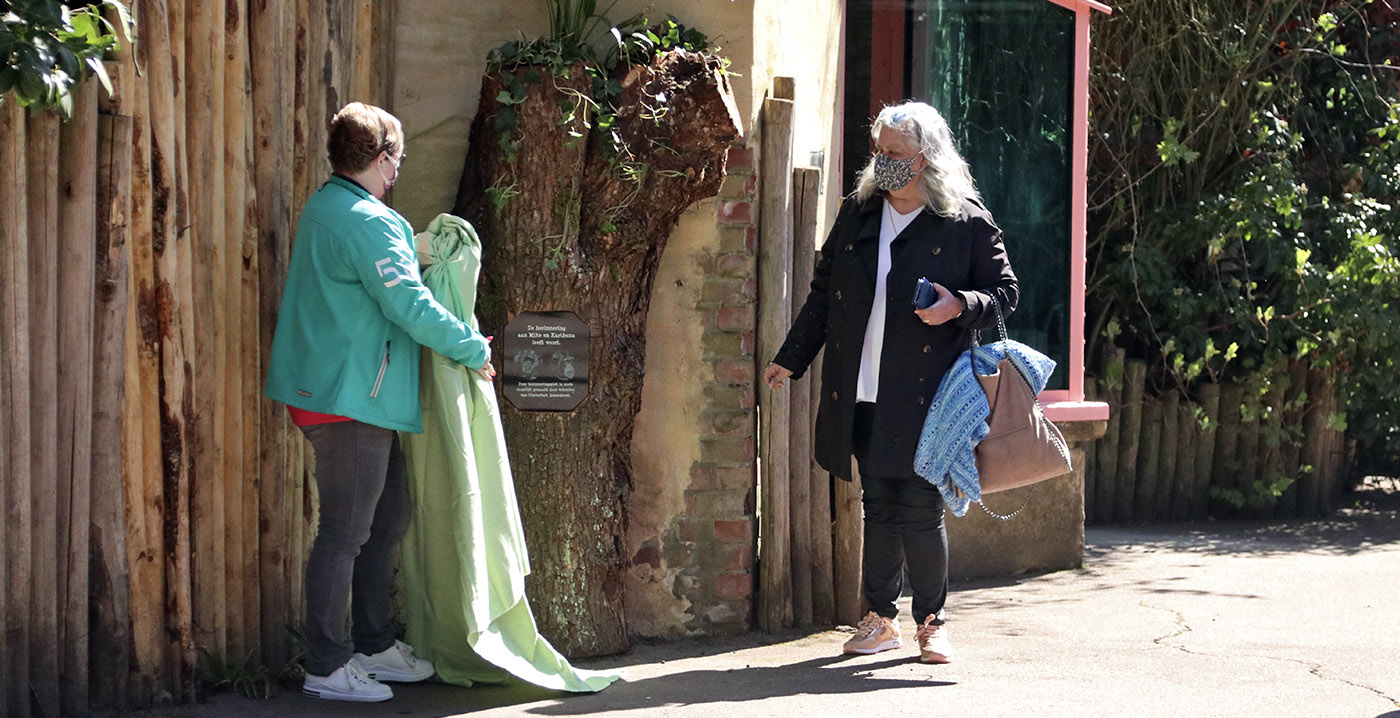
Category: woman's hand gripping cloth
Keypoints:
(464, 558)
(957, 419)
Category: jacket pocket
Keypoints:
(383, 367)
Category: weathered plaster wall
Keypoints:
(801, 39)
(440, 55)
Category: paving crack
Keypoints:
(1314, 668)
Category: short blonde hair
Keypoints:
(359, 132)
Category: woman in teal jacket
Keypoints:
(345, 360)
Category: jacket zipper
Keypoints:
(383, 367)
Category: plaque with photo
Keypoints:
(545, 361)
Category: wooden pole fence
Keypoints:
(155, 505)
(775, 610)
(1220, 450)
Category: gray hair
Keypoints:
(945, 181)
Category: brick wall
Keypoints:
(718, 528)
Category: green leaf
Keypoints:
(1301, 257)
(100, 70)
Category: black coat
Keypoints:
(966, 256)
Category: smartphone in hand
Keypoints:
(924, 294)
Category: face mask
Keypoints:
(389, 181)
(891, 174)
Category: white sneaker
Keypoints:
(396, 663)
(347, 683)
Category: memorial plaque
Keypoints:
(545, 361)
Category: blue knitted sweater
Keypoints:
(957, 419)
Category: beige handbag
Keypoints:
(1023, 446)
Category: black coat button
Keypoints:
(838, 294)
(937, 251)
(927, 349)
(833, 396)
(849, 247)
(921, 401)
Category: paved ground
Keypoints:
(1225, 619)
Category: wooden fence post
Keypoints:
(14, 407)
(774, 318)
(110, 592)
(1166, 468)
(1111, 390)
(270, 30)
(165, 43)
(1337, 457)
(42, 151)
(1205, 451)
(76, 269)
(1149, 461)
(1129, 439)
(1226, 465)
(204, 142)
(1248, 451)
(824, 585)
(1271, 440)
(1183, 482)
(847, 548)
(239, 530)
(806, 184)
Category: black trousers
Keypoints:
(903, 528)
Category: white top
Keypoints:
(868, 381)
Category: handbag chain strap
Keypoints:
(1021, 371)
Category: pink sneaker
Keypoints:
(934, 646)
(874, 634)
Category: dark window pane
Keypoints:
(1001, 71)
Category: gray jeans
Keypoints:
(364, 512)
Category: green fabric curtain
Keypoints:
(464, 558)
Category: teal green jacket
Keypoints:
(355, 312)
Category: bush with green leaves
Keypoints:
(1245, 195)
(49, 47)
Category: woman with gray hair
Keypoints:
(916, 214)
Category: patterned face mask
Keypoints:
(891, 174)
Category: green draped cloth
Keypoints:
(464, 558)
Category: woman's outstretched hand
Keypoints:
(943, 310)
(487, 371)
(774, 375)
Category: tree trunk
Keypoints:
(569, 225)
